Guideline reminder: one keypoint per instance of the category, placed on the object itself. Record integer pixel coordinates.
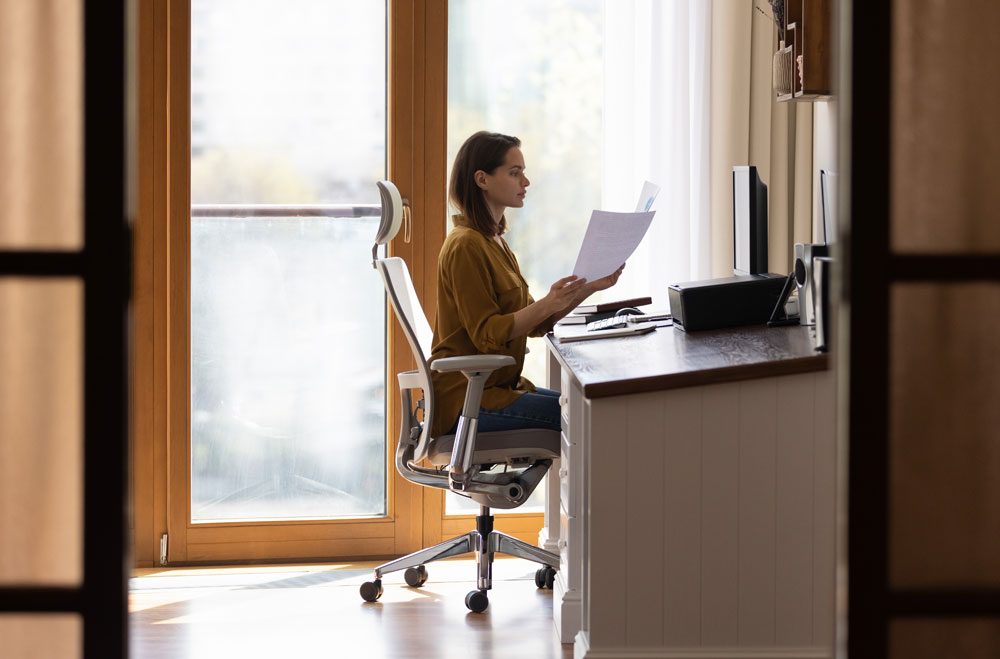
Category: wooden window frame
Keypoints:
(416, 142)
(416, 68)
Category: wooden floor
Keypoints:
(298, 611)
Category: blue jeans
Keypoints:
(531, 410)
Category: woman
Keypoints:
(483, 305)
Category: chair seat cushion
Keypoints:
(501, 446)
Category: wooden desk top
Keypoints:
(670, 358)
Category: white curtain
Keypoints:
(656, 128)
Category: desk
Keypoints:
(694, 510)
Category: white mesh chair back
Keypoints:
(406, 305)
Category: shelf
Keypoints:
(804, 65)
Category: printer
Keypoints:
(725, 302)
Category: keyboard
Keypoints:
(609, 323)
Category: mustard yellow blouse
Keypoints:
(479, 288)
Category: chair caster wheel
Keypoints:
(545, 577)
(476, 601)
(415, 576)
(371, 590)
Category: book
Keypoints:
(612, 306)
(584, 318)
(568, 334)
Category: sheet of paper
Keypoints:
(647, 197)
(610, 240)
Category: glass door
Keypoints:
(287, 454)
(287, 329)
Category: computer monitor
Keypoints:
(749, 222)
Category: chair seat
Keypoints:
(501, 446)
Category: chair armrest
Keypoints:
(477, 368)
(471, 363)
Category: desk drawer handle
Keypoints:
(563, 400)
(563, 472)
(562, 543)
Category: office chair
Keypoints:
(467, 462)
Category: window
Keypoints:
(287, 328)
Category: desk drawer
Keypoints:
(570, 477)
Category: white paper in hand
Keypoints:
(610, 240)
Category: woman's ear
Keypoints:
(480, 178)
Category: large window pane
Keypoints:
(287, 101)
(41, 124)
(287, 369)
(41, 432)
(944, 638)
(943, 338)
(41, 635)
(287, 315)
(542, 82)
(944, 195)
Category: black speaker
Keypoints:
(804, 254)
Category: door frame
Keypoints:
(417, 73)
(873, 271)
(416, 122)
(102, 266)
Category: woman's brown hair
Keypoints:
(485, 151)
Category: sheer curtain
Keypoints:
(656, 127)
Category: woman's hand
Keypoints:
(566, 292)
(562, 296)
(573, 290)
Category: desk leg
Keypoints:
(566, 601)
(548, 537)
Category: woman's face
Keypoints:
(507, 184)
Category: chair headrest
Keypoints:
(392, 212)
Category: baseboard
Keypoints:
(546, 543)
(582, 650)
(567, 611)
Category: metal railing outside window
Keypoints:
(287, 363)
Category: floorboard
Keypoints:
(294, 611)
